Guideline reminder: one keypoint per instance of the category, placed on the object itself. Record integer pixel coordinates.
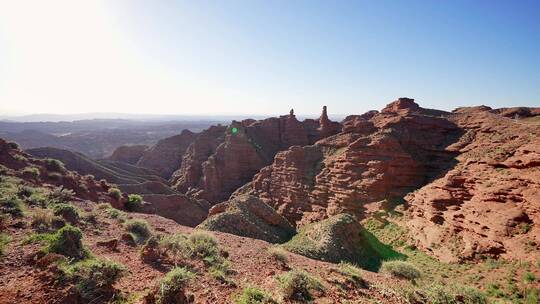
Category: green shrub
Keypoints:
(172, 284)
(219, 269)
(67, 211)
(68, 241)
(31, 171)
(115, 193)
(254, 295)
(94, 278)
(20, 157)
(25, 191)
(439, 294)
(139, 229)
(4, 241)
(529, 277)
(279, 254)
(3, 169)
(115, 213)
(103, 206)
(134, 202)
(531, 296)
(11, 205)
(176, 247)
(298, 285)
(54, 165)
(62, 195)
(13, 145)
(352, 273)
(401, 269)
(203, 244)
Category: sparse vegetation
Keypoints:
(401, 269)
(139, 229)
(254, 295)
(94, 278)
(353, 274)
(67, 212)
(134, 202)
(42, 219)
(115, 193)
(529, 277)
(203, 244)
(67, 241)
(438, 294)
(279, 254)
(13, 145)
(31, 171)
(54, 165)
(299, 285)
(173, 284)
(4, 241)
(11, 205)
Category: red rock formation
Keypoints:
(166, 155)
(489, 203)
(128, 154)
(215, 166)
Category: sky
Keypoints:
(265, 57)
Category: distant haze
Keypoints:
(252, 57)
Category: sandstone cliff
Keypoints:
(220, 160)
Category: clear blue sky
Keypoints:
(265, 57)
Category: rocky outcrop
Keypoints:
(336, 239)
(488, 203)
(376, 157)
(51, 173)
(248, 216)
(166, 155)
(180, 208)
(128, 154)
(223, 159)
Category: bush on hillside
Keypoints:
(172, 286)
(54, 165)
(134, 202)
(31, 171)
(68, 241)
(254, 295)
(139, 229)
(67, 212)
(299, 285)
(115, 193)
(95, 278)
(439, 294)
(11, 205)
(401, 269)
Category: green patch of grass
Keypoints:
(254, 295)
(134, 202)
(94, 278)
(54, 165)
(31, 171)
(401, 269)
(4, 241)
(139, 229)
(67, 241)
(529, 277)
(174, 282)
(115, 193)
(67, 211)
(11, 205)
(203, 244)
(437, 293)
(352, 273)
(299, 285)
